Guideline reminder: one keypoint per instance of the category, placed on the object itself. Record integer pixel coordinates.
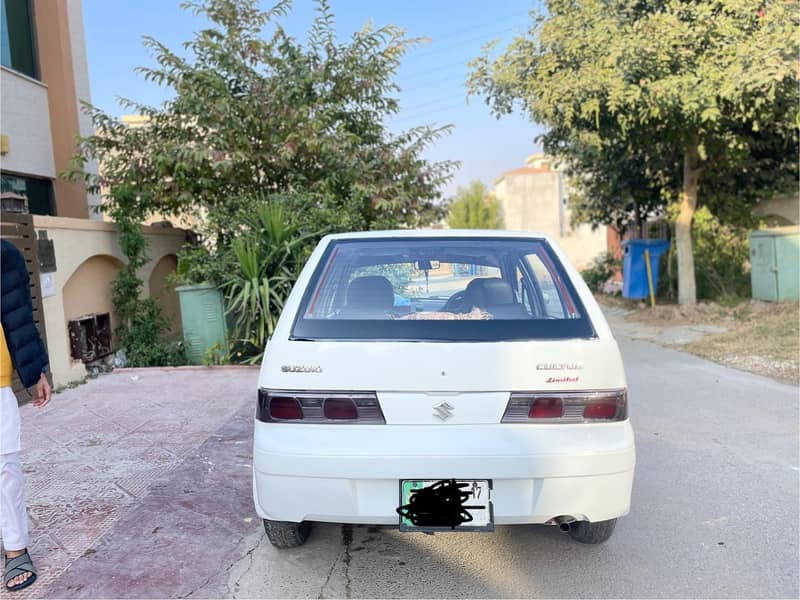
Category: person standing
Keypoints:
(21, 348)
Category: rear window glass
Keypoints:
(480, 289)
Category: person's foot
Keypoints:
(19, 578)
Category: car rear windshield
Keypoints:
(440, 289)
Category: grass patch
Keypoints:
(760, 339)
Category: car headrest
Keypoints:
(484, 292)
(371, 291)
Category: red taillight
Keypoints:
(566, 407)
(284, 408)
(546, 408)
(604, 409)
(340, 408)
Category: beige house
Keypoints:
(185, 221)
(73, 254)
(534, 198)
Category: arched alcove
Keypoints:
(164, 291)
(88, 290)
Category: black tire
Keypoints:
(592, 533)
(283, 534)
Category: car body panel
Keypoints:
(443, 366)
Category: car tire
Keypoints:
(592, 533)
(283, 534)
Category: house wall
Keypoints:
(88, 289)
(80, 70)
(534, 199)
(163, 290)
(25, 119)
(87, 258)
(780, 211)
(54, 48)
(42, 118)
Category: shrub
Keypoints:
(142, 330)
(721, 260)
(144, 339)
(216, 355)
(603, 267)
(269, 251)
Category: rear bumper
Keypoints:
(350, 474)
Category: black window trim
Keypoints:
(50, 189)
(37, 70)
(510, 330)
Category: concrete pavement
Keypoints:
(715, 512)
(141, 488)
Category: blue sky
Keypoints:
(432, 76)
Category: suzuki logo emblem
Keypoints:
(444, 411)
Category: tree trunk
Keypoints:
(687, 292)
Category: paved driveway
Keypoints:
(715, 506)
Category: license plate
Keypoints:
(446, 505)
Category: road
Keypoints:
(715, 512)
(138, 491)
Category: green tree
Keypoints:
(671, 101)
(474, 207)
(255, 111)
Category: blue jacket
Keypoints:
(16, 312)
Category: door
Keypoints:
(764, 272)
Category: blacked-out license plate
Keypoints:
(446, 505)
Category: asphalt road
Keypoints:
(715, 512)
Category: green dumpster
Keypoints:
(775, 263)
(203, 320)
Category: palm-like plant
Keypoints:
(270, 253)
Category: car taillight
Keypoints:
(340, 408)
(546, 408)
(566, 407)
(604, 408)
(318, 407)
(284, 409)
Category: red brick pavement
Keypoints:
(137, 464)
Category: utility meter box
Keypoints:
(203, 320)
(775, 263)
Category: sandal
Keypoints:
(19, 565)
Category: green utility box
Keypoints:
(775, 263)
(203, 320)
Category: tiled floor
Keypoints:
(92, 456)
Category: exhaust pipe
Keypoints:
(564, 522)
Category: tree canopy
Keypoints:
(474, 207)
(652, 103)
(256, 111)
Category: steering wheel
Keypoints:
(455, 303)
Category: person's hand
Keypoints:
(42, 392)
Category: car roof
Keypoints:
(438, 233)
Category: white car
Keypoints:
(441, 381)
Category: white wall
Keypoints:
(25, 119)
